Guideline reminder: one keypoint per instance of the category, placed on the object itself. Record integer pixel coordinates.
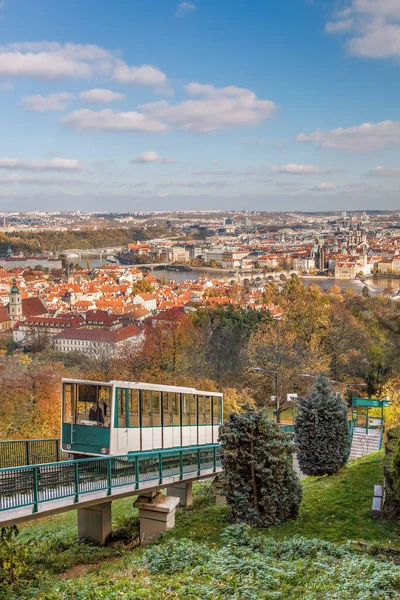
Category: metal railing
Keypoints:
(37, 484)
(16, 453)
(286, 427)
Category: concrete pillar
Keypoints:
(94, 522)
(182, 490)
(155, 515)
(220, 499)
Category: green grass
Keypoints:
(334, 509)
(338, 508)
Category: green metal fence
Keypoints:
(286, 428)
(37, 484)
(16, 453)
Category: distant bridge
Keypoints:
(254, 277)
(91, 251)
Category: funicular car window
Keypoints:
(216, 410)
(147, 420)
(133, 408)
(121, 408)
(208, 410)
(93, 405)
(156, 408)
(68, 402)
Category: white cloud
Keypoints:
(100, 95)
(108, 120)
(230, 106)
(324, 187)
(51, 102)
(362, 138)
(294, 169)
(144, 75)
(339, 26)
(185, 8)
(373, 27)
(50, 60)
(54, 164)
(152, 157)
(219, 107)
(385, 172)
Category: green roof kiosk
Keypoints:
(360, 408)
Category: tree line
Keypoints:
(35, 242)
(350, 337)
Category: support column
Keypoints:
(155, 515)
(183, 491)
(220, 499)
(94, 522)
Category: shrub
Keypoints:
(322, 432)
(260, 485)
(391, 471)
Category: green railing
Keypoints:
(37, 484)
(16, 453)
(286, 428)
(381, 437)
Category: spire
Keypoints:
(14, 288)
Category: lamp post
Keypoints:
(346, 385)
(275, 373)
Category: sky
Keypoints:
(138, 105)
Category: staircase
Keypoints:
(363, 443)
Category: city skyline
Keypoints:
(193, 105)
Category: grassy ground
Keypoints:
(334, 509)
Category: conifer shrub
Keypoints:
(322, 432)
(260, 485)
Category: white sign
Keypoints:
(291, 397)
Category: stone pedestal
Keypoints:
(155, 516)
(220, 499)
(183, 491)
(94, 523)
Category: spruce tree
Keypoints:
(322, 432)
(260, 485)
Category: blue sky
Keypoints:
(160, 104)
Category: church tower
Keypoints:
(15, 303)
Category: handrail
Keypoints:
(29, 440)
(381, 437)
(14, 453)
(34, 485)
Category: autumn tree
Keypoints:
(224, 332)
(276, 347)
(170, 344)
(30, 402)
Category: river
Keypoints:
(376, 284)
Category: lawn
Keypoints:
(334, 509)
